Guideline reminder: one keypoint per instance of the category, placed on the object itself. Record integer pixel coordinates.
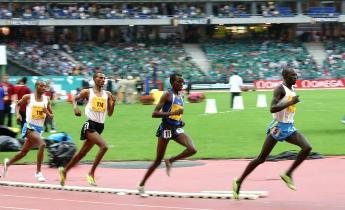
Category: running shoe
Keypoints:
(288, 180)
(141, 191)
(39, 176)
(235, 189)
(91, 180)
(62, 175)
(4, 172)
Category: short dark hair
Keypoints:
(24, 80)
(39, 81)
(286, 71)
(95, 74)
(174, 76)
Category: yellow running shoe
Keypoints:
(235, 189)
(62, 176)
(91, 180)
(288, 180)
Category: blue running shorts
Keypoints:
(28, 126)
(280, 131)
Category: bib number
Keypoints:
(275, 131)
(98, 104)
(37, 113)
(167, 134)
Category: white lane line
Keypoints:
(104, 203)
(10, 207)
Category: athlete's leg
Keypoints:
(269, 144)
(76, 158)
(190, 150)
(187, 142)
(22, 153)
(36, 140)
(87, 146)
(161, 148)
(298, 139)
(95, 138)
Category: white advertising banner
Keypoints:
(3, 57)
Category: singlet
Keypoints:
(96, 107)
(286, 115)
(34, 110)
(176, 103)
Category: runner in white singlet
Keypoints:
(37, 109)
(100, 103)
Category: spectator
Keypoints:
(110, 85)
(49, 121)
(20, 90)
(2, 106)
(154, 75)
(122, 90)
(130, 91)
(85, 82)
(189, 85)
(8, 90)
(235, 82)
(139, 85)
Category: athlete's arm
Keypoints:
(84, 94)
(278, 94)
(111, 104)
(23, 100)
(157, 113)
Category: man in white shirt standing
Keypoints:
(235, 82)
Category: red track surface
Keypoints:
(320, 185)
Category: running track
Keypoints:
(320, 185)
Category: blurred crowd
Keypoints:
(102, 11)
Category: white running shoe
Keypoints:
(141, 191)
(39, 176)
(4, 171)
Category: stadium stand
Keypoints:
(260, 59)
(322, 12)
(334, 66)
(134, 59)
(48, 59)
(128, 49)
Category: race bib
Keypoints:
(179, 130)
(37, 113)
(167, 134)
(291, 108)
(174, 108)
(275, 131)
(98, 104)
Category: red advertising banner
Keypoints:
(307, 84)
